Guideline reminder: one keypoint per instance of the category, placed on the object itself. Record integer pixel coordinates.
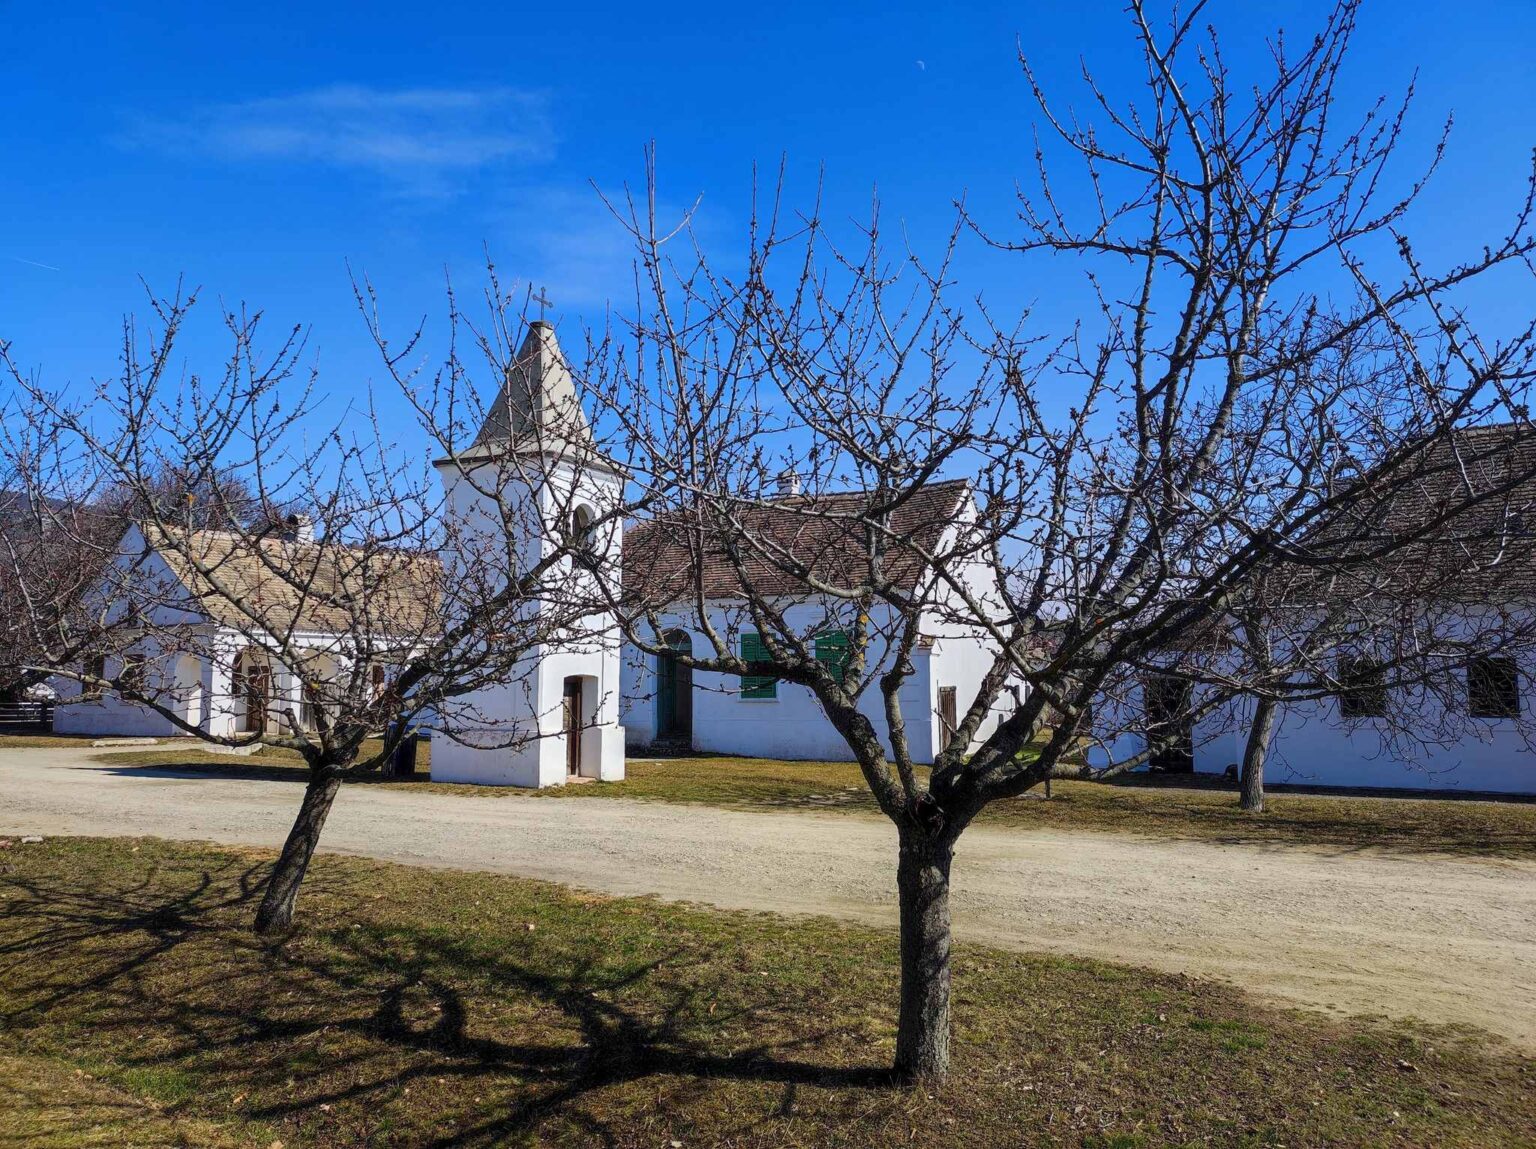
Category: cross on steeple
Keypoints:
(542, 299)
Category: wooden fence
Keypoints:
(25, 716)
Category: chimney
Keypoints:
(299, 528)
(789, 484)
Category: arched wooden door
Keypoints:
(674, 690)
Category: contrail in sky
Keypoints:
(34, 263)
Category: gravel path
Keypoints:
(1443, 939)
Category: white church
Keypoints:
(590, 698)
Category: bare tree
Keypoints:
(52, 551)
(56, 546)
(1414, 621)
(380, 605)
(1124, 481)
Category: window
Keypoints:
(832, 652)
(376, 676)
(1493, 688)
(759, 681)
(583, 534)
(1363, 692)
(132, 673)
(94, 666)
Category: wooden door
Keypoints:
(674, 691)
(1166, 702)
(258, 679)
(666, 695)
(948, 722)
(572, 726)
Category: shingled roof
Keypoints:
(537, 411)
(305, 586)
(1485, 552)
(677, 556)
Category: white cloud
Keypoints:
(417, 139)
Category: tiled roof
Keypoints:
(303, 586)
(1486, 552)
(682, 554)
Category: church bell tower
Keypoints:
(533, 477)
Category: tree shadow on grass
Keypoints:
(334, 1026)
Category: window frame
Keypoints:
(1504, 676)
(755, 687)
(1363, 689)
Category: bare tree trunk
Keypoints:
(276, 912)
(922, 881)
(1253, 755)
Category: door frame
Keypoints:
(674, 689)
(949, 719)
(1166, 701)
(571, 723)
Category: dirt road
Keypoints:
(1443, 939)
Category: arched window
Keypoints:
(583, 533)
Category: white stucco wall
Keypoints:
(511, 733)
(194, 677)
(793, 724)
(1313, 745)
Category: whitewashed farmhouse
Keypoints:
(215, 674)
(1462, 717)
(669, 706)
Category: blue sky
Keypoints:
(257, 149)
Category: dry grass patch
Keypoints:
(1491, 829)
(34, 741)
(424, 1008)
(46, 1104)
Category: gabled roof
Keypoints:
(678, 555)
(306, 586)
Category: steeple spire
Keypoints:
(537, 403)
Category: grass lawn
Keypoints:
(49, 1104)
(1478, 829)
(25, 741)
(422, 1008)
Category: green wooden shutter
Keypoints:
(832, 652)
(756, 685)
